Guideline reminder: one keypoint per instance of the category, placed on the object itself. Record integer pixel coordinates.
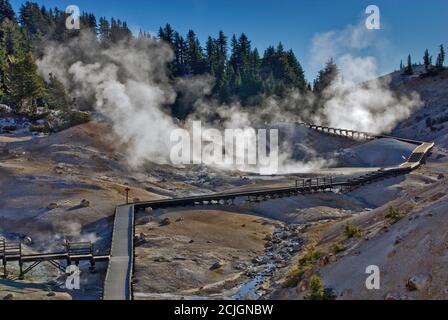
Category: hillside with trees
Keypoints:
(240, 72)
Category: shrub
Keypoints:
(39, 128)
(293, 277)
(351, 231)
(317, 291)
(338, 248)
(316, 288)
(310, 257)
(305, 263)
(329, 294)
(394, 215)
(78, 117)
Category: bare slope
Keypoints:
(430, 123)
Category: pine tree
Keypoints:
(56, 97)
(167, 34)
(119, 30)
(234, 53)
(13, 37)
(440, 58)
(408, 70)
(221, 43)
(180, 48)
(26, 87)
(211, 55)
(88, 22)
(104, 30)
(3, 68)
(6, 11)
(427, 60)
(194, 55)
(325, 78)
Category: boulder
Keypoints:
(27, 240)
(165, 222)
(85, 203)
(52, 206)
(9, 296)
(419, 282)
(143, 221)
(215, 266)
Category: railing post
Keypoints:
(21, 274)
(127, 194)
(4, 259)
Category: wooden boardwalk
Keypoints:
(118, 283)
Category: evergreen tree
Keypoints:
(26, 87)
(13, 38)
(6, 11)
(180, 49)
(119, 31)
(325, 78)
(211, 55)
(441, 57)
(194, 55)
(167, 34)
(409, 70)
(427, 60)
(56, 97)
(88, 21)
(3, 68)
(221, 43)
(104, 30)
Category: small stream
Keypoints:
(251, 289)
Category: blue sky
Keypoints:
(408, 26)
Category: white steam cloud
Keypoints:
(129, 86)
(358, 99)
(128, 83)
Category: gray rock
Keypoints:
(217, 265)
(9, 296)
(162, 259)
(85, 203)
(28, 241)
(52, 206)
(419, 282)
(392, 296)
(143, 221)
(165, 222)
